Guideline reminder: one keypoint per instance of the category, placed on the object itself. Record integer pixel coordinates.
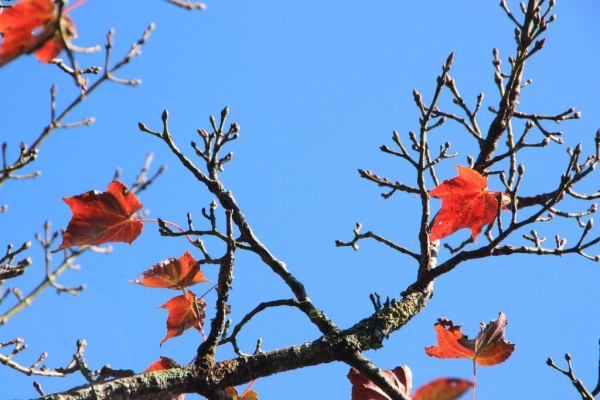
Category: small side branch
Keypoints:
(585, 394)
(261, 307)
(358, 236)
(8, 270)
(51, 275)
(383, 182)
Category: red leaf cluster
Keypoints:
(488, 348)
(101, 217)
(17, 26)
(466, 203)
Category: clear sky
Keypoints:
(316, 88)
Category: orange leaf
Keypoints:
(466, 203)
(488, 348)
(164, 363)
(364, 389)
(18, 23)
(185, 311)
(442, 389)
(100, 217)
(173, 273)
(248, 395)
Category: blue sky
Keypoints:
(316, 89)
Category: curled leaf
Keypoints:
(364, 389)
(247, 395)
(173, 273)
(488, 348)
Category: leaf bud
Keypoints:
(235, 127)
(470, 160)
(142, 127)
(540, 43)
(545, 142)
(552, 18)
(416, 95)
(529, 125)
(521, 169)
(568, 357)
(450, 59)
(550, 362)
(590, 224)
(224, 112)
(212, 120)
(577, 115)
(165, 115)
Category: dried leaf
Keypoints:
(173, 273)
(233, 393)
(100, 217)
(19, 22)
(364, 389)
(443, 389)
(488, 348)
(466, 203)
(185, 311)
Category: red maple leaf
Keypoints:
(19, 22)
(164, 363)
(185, 311)
(173, 273)
(443, 389)
(100, 217)
(466, 203)
(488, 348)
(364, 389)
